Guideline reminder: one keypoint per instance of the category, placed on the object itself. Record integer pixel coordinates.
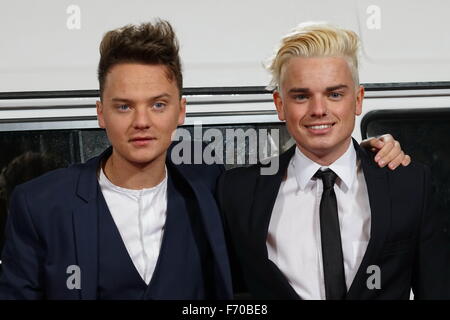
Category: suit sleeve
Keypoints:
(431, 278)
(22, 254)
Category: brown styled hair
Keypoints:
(147, 43)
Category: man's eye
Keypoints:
(159, 105)
(300, 97)
(335, 95)
(123, 107)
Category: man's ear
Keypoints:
(182, 114)
(278, 100)
(101, 120)
(359, 100)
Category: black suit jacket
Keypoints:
(406, 242)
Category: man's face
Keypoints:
(140, 110)
(319, 101)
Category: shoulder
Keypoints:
(415, 170)
(63, 179)
(244, 176)
(412, 174)
(412, 182)
(206, 170)
(415, 176)
(52, 187)
(53, 179)
(204, 174)
(248, 176)
(235, 189)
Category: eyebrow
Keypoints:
(299, 90)
(307, 90)
(160, 96)
(339, 86)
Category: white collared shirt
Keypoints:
(293, 241)
(140, 216)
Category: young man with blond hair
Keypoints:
(330, 224)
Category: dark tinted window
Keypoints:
(423, 134)
(80, 145)
(28, 154)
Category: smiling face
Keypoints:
(140, 109)
(319, 102)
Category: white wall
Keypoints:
(223, 42)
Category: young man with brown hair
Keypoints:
(128, 224)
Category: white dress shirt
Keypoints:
(140, 216)
(294, 242)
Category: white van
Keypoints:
(49, 56)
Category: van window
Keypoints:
(423, 134)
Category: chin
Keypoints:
(319, 149)
(144, 157)
(141, 162)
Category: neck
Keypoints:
(134, 176)
(326, 158)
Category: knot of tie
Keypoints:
(328, 178)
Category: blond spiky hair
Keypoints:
(312, 39)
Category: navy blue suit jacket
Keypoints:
(53, 224)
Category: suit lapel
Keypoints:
(85, 223)
(267, 190)
(264, 200)
(378, 190)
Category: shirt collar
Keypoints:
(344, 167)
(104, 181)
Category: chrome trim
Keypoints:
(60, 124)
(48, 125)
(80, 113)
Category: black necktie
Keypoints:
(333, 262)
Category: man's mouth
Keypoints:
(141, 141)
(320, 128)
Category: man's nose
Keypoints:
(142, 118)
(318, 106)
